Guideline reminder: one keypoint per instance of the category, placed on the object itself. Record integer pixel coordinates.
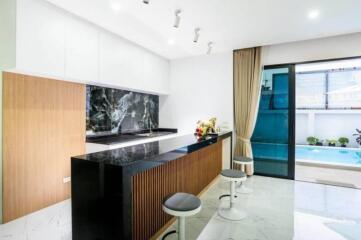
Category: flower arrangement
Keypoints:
(204, 128)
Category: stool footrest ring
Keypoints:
(168, 233)
(226, 195)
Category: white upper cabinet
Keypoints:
(120, 64)
(40, 38)
(54, 43)
(123, 63)
(156, 73)
(81, 51)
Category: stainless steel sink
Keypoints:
(145, 134)
(152, 134)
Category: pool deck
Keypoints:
(332, 165)
(331, 173)
(328, 173)
(329, 147)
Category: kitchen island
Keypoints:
(118, 193)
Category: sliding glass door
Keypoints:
(273, 141)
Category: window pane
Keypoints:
(310, 90)
(270, 140)
(344, 89)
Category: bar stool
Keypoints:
(181, 205)
(231, 212)
(243, 161)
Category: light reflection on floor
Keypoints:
(281, 210)
(277, 210)
(309, 226)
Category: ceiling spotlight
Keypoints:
(177, 18)
(196, 34)
(116, 6)
(313, 14)
(171, 41)
(146, 1)
(210, 45)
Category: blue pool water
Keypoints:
(346, 156)
(333, 155)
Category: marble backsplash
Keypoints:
(110, 111)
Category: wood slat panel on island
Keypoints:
(191, 173)
(43, 126)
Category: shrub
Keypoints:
(312, 140)
(343, 141)
(331, 141)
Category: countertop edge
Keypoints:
(160, 158)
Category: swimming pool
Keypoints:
(308, 154)
(330, 155)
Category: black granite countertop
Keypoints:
(129, 136)
(152, 153)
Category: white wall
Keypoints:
(327, 124)
(52, 42)
(311, 50)
(200, 88)
(7, 59)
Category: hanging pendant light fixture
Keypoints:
(146, 1)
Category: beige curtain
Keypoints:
(247, 85)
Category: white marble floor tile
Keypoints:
(285, 210)
(277, 210)
(51, 223)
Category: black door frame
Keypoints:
(291, 120)
(292, 109)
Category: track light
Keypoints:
(196, 34)
(146, 1)
(210, 45)
(177, 18)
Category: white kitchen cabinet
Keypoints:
(81, 51)
(117, 64)
(53, 43)
(40, 39)
(155, 74)
(129, 66)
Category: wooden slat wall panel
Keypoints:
(191, 174)
(44, 125)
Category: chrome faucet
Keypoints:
(150, 124)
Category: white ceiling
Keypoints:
(230, 24)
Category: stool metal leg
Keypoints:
(233, 191)
(241, 188)
(231, 212)
(181, 228)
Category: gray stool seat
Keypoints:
(231, 173)
(182, 202)
(242, 160)
(181, 205)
